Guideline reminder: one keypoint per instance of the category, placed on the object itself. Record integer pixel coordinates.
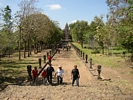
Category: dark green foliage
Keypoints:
(78, 31)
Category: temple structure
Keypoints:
(66, 37)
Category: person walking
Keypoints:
(34, 74)
(59, 73)
(75, 75)
(50, 71)
(49, 58)
(44, 76)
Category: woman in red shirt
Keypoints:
(34, 74)
(49, 58)
(44, 76)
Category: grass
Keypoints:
(110, 61)
(131, 72)
(11, 68)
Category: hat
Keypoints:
(45, 69)
(60, 66)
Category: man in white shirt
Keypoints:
(59, 73)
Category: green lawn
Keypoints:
(113, 61)
(12, 68)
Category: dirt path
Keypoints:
(67, 59)
(89, 89)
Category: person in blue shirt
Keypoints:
(50, 70)
(75, 75)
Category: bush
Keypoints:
(95, 51)
(117, 48)
(85, 47)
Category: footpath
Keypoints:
(90, 88)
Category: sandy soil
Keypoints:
(118, 88)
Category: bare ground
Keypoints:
(118, 88)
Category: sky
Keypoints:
(65, 11)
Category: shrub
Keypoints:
(95, 51)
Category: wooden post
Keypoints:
(40, 61)
(99, 71)
(83, 55)
(44, 57)
(91, 63)
(29, 69)
(86, 57)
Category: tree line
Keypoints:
(28, 29)
(117, 31)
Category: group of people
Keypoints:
(47, 75)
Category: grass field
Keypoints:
(11, 68)
(113, 61)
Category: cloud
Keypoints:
(74, 21)
(54, 6)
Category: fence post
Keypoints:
(91, 63)
(47, 54)
(99, 71)
(86, 58)
(50, 53)
(44, 57)
(83, 55)
(29, 69)
(40, 61)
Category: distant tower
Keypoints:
(66, 37)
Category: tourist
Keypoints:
(50, 71)
(49, 58)
(75, 75)
(59, 73)
(44, 76)
(34, 74)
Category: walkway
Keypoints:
(89, 89)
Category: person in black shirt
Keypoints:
(50, 70)
(75, 75)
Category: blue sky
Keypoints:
(66, 11)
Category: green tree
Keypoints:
(122, 12)
(99, 37)
(92, 43)
(79, 30)
(7, 26)
(27, 7)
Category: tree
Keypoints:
(99, 37)
(122, 12)
(92, 43)
(79, 30)
(38, 29)
(7, 26)
(27, 7)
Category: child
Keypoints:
(49, 58)
(34, 74)
(44, 76)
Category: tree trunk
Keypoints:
(24, 49)
(19, 43)
(82, 43)
(41, 47)
(37, 47)
(28, 45)
(0, 54)
(102, 50)
(28, 48)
